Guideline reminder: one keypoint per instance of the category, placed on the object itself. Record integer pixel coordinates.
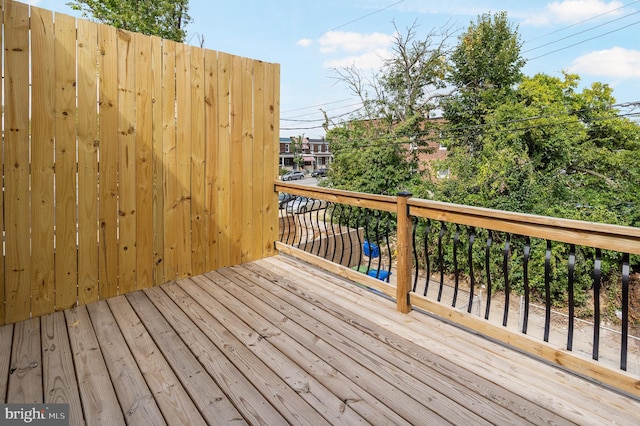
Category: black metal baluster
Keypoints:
(487, 264)
(386, 236)
(525, 265)
(342, 245)
(358, 215)
(572, 269)
(505, 270)
(625, 311)
(472, 281)
(326, 245)
(456, 269)
(313, 229)
(426, 256)
(597, 276)
(367, 220)
(547, 291)
(441, 260)
(350, 210)
(414, 248)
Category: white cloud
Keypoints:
(572, 11)
(617, 63)
(353, 42)
(305, 42)
(370, 60)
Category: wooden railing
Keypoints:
(128, 161)
(434, 244)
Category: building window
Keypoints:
(286, 147)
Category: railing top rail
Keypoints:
(358, 199)
(592, 234)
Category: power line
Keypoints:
(583, 21)
(363, 17)
(580, 32)
(585, 40)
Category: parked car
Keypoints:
(304, 204)
(292, 176)
(319, 173)
(284, 198)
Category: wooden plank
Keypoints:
(259, 120)
(6, 339)
(108, 151)
(42, 162)
(183, 160)
(251, 187)
(271, 125)
(213, 351)
(3, 298)
(145, 74)
(98, 397)
(237, 176)
(88, 276)
(133, 394)
(212, 403)
(170, 180)
(223, 173)
(66, 256)
(199, 220)
(171, 397)
(25, 373)
(608, 237)
(257, 338)
(59, 378)
(17, 268)
(127, 187)
(211, 155)
(158, 169)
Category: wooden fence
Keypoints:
(128, 161)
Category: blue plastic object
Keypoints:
(381, 275)
(371, 250)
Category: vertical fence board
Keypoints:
(211, 154)
(183, 159)
(66, 256)
(144, 161)
(88, 275)
(249, 185)
(258, 171)
(198, 213)
(3, 298)
(223, 188)
(42, 154)
(108, 149)
(155, 77)
(270, 108)
(16, 162)
(169, 164)
(126, 163)
(236, 172)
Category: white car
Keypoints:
(304, 204)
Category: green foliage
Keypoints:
(164, 18)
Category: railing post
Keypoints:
(403, 303)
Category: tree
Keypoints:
(165, 18)
(485, 67)
(375, 148)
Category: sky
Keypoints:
(597, 39)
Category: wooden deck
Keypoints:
(278, 341)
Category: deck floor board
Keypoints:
(278, 341)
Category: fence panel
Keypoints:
(127, 161)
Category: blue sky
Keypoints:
(597, 39)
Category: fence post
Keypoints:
(403, 303)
